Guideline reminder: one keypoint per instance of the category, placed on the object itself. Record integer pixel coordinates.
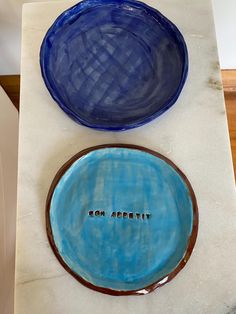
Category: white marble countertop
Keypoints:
(193, 134)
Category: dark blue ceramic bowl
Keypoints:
(112, 64)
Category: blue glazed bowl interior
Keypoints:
(127, 252)
(113, 65)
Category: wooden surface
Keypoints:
(229, 80)
(230, 100)
(229, 84)
(11, 84)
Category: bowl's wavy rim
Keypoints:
(72, 12)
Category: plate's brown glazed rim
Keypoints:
(160, 282)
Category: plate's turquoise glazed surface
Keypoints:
(121, 218)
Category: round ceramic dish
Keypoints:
(112, 64)
(121, 219)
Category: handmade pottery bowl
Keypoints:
(112, 64)
(121, 219)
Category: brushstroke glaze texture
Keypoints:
(113, 64)
(121, 254)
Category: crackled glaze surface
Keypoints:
(122, 218)
(113, 64)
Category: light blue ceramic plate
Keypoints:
(121, 219)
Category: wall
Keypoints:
(10, 31)
(225, 23)
(10, 35)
